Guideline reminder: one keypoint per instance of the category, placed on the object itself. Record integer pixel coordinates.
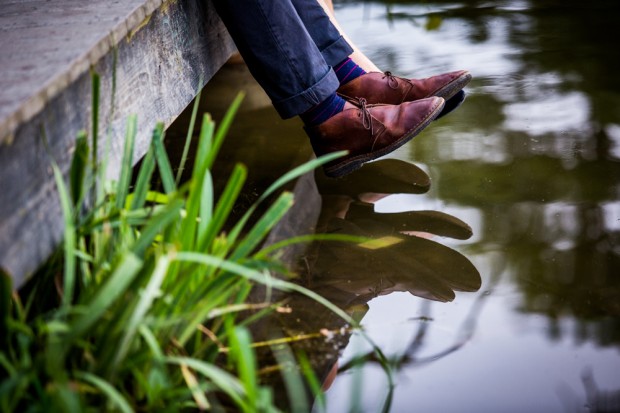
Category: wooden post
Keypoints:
(152, 58)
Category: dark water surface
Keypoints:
(531, 161)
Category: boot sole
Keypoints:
(453, 103)
(349, 165)
(453, 87)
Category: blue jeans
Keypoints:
(290, 47)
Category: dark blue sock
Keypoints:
(348, 70)
(323, 111)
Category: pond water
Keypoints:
(531, 161)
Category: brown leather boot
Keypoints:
(386, 88)
(368, 132)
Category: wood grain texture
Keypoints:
(161, 54)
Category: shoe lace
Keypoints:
(392, 80)
(365, 114)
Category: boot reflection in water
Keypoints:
(303, 63)
(397, 254)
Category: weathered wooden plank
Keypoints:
(160, 54)
(46, 45)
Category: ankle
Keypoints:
(348, 70)
(318, 114)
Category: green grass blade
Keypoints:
(313, 382)
(165, 169)
(224, 381)
(190, 220)
(127, 162)
(263, 226)
(157, 225)
(194, 387)
(220, 291)
(241, 342)
(205, 142)
(188, 137)
(224, 205)
(144, 180)
(193, 208)
(295, 390)
(108, 390)
(63, 399)
(95, 84)
(222, 131)
(206, 205)
(302, 239)
(151, 342)
(289, 176)
(6, 289)
(77, 172)
(150, 293)
(69, 241)
(299, 171)
(113, 288)
(261, 278)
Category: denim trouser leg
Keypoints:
(280, 51)
(327, 38)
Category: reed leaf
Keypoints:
(126, 162)
(313, 382)
(150, 293)
(261, 278)
(78, 169)
(242, 353)
(188, 137)
(116, 399)
(224, 205)
(296, 392)
(299, 171)
(112, 289)
(258, 232)
(224, 381)
(205, 142)
(194, 387)
(165, 170)
(219, 291)
(64, 399)
(304, 239)
(143, 182)
(69, 242)
(156, 225)
(206, 207)
(222, 131)
(289, 176)
(196, 200)
(95, 84)
(151, 341)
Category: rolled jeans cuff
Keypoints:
(315, 94)
(336, 52)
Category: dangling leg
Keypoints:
(331, 43)
(279, 53)
(376, 86)
(297, 75)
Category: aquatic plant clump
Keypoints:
(139, 308)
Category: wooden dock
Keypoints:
(152, 57)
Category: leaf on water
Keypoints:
(433, 22)
(379, 243)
